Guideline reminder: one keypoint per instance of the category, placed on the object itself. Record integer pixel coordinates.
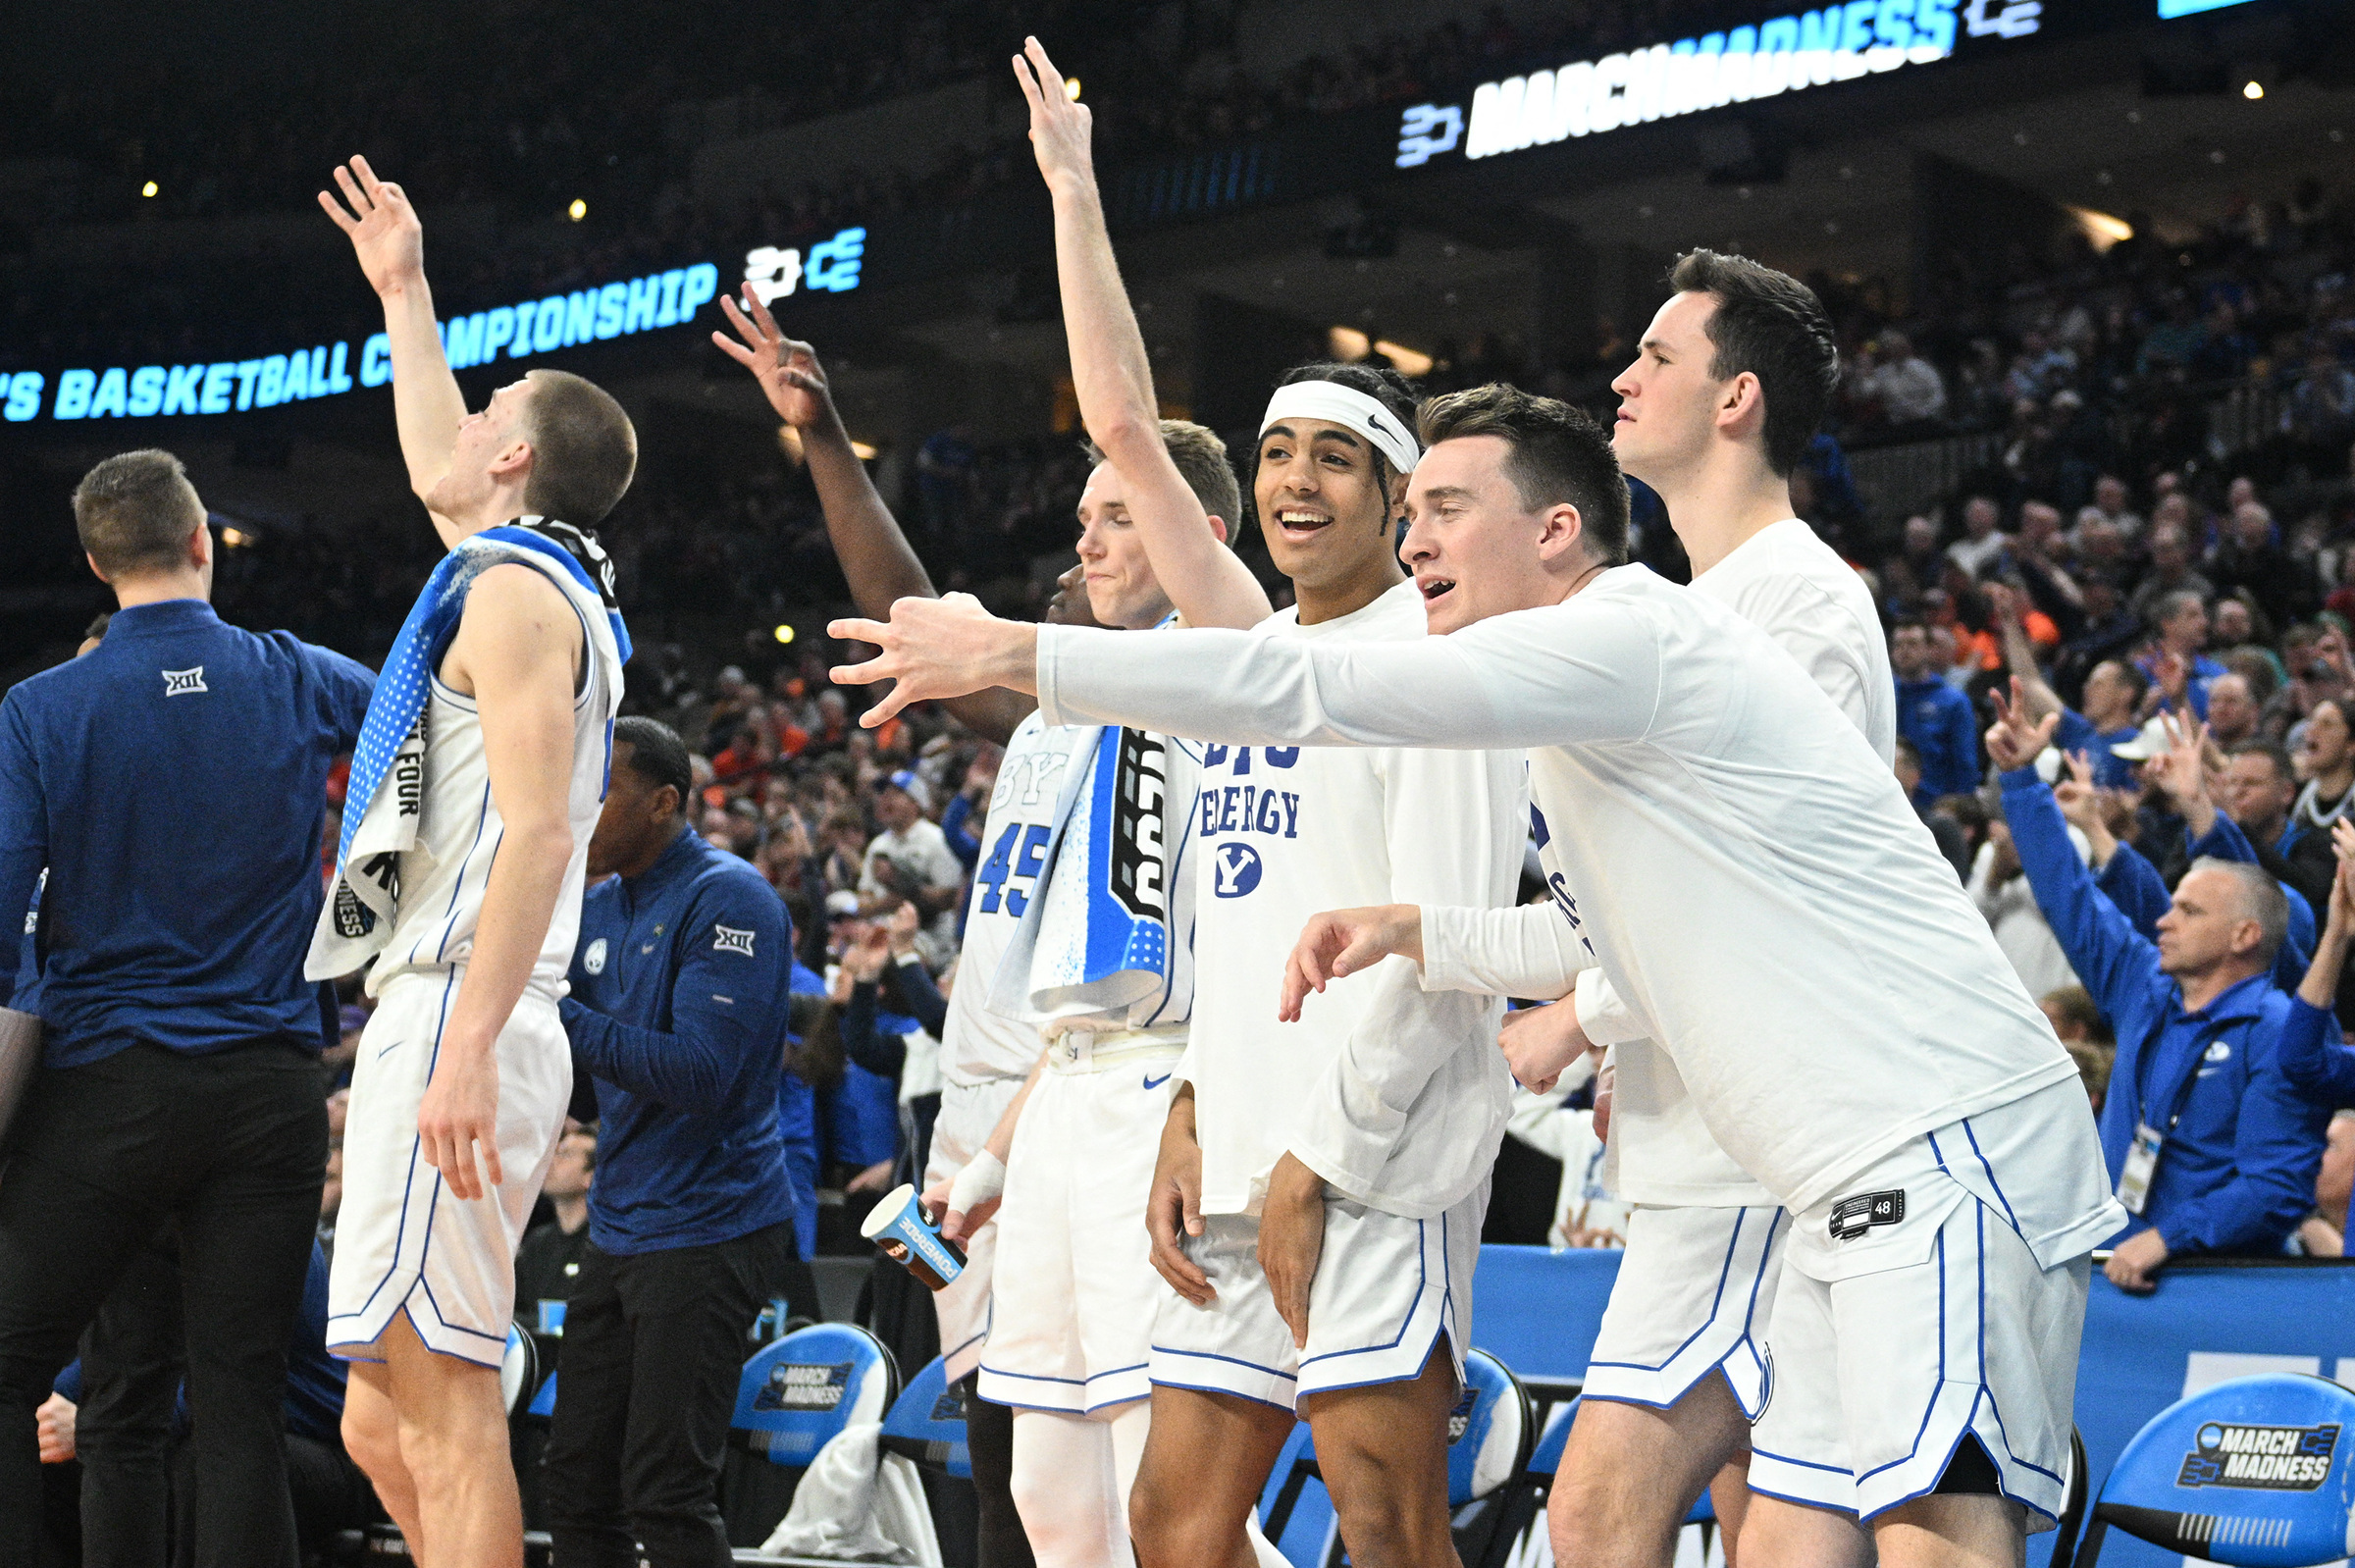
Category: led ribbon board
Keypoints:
(1787, 54)
(524, 330)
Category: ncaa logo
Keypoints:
(594, 961)
(1234, 869)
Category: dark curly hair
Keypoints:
(1379, 382)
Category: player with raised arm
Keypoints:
(1759, 892)
(1318, 1202)
(1729, 381)
(475, 787)
(1069, 1349)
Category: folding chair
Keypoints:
(796, 1393)
(926, 1424)
(2255, 1470)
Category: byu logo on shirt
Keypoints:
(594, 961)
(727, 939)
(1234, 872)
(180, 682)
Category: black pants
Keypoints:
(653, 1345)
(230, 1149)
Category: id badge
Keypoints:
(2142, 1158)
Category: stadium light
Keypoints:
(2100, 228)
(2254, 90)
(1070, 89)
(1348, 344)
(865, 451)
(784, 634)
(579, 209)
(1410, 362)
(147, 190)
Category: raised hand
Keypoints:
(2342, 885)
(2004, 600)
(2014, 742)
(382, 225)
(1341, 942)
(785, 368)
(1059, 126)
(2080, 801)
(2182, 771)
(937, 648)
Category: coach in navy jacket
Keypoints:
(2236, 1171)
(678, 1012)
(173, 782)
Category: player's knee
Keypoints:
(371, 1438)
(1590, 1529)
(1167, 1527)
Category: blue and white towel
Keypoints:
(1106, 937)
(380, 823)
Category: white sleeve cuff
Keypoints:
(1605, 1017)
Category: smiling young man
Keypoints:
(1059, 1289)
(1319, 1188)
(1729, 382)
(476, 784)
(1758, 890)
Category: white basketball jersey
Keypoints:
(459, 829)
(983, 1044)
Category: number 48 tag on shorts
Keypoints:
(2142, 1158)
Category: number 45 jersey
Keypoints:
(1395, 1095)
(982, 1045)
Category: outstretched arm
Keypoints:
(1206, 582)
(875, 556)
(1565, 674)
(389, 242)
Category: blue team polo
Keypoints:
(174, 782)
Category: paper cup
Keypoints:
(898, 1225)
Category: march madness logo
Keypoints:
(797, 1385)
(2260, 1458)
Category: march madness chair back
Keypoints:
(2254, 1471)
(795, 1394)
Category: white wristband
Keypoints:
(982, 1178)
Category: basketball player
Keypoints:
(1320, 1191)
(1070, 1352)
(1729, 381)
(1759, 893)
(463, 1075)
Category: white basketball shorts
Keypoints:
(1914, 1312)
(1387, 1289)
(1074, 1288)
(402, 1242)
(968, 1114)
(1695, 1293)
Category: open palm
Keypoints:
(381, 223)
(787, 369)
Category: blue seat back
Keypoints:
(800, 1390)
(1489, 1432)
(544, 1404)
(2255, 1470)
(927, 1423)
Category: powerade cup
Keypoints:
(901, 1228)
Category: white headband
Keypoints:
(1350, 408)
